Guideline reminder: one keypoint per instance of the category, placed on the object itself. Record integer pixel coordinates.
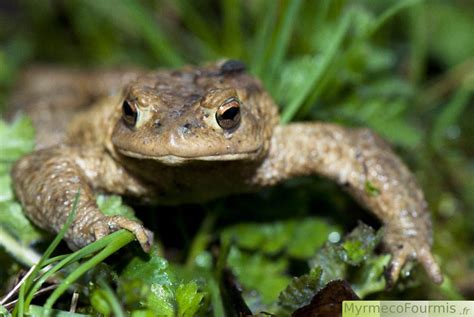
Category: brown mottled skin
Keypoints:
(169, 137)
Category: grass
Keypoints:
(384, 65)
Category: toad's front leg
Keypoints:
(47, 181)
(365, 165)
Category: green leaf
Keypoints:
(154, 270)
(99, 302)
(308, 236)
(148, 284)
(15, 222)
(4, 312)
(360, 244)
(113, 206)
(329, 258)
(188, 298)
(298, 238)
(354, 259)
(143, 313)
(257, 272)
(17, 139)
(300, 291)
(370, 279)
(6, 192)
(161, 300)
(151, 284)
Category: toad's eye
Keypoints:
(228, 114)
(129, 113)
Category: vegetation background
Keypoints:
(404, 68)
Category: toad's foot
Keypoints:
(46, 182)
(109, 224)
(403, 249)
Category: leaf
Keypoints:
(188, 298)
(354, 259)
(16, 223)
(17, 139)
(256, 272)
(359, 244)
(329, 258)
(298, 238)
(328, 301)
(151, 284)
(370, 278)
(113, 206)
(143, 313)
(99, 302)
(161, 300)
(300, 291)
(6, 192)
(153, 270)
(308, 236)
(4, 312)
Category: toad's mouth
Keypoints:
(178, 160)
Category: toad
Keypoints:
(191, 135)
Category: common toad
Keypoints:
(190, 135)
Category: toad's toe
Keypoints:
(113, 223)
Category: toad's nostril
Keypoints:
(185, 128)
(158, 125)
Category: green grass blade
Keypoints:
(131, 15)
(232, 36)
(25, 288)
(112, 299)
(65, 260)
(120, 240)
(216, 297)
(19, 251)
(283, 36)
(450, 115)
(201, 239)
(202, 28)
(263, 38)
(418, 18)
(315, 75)
(390, 12)
(197, 23)
(19, 307)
